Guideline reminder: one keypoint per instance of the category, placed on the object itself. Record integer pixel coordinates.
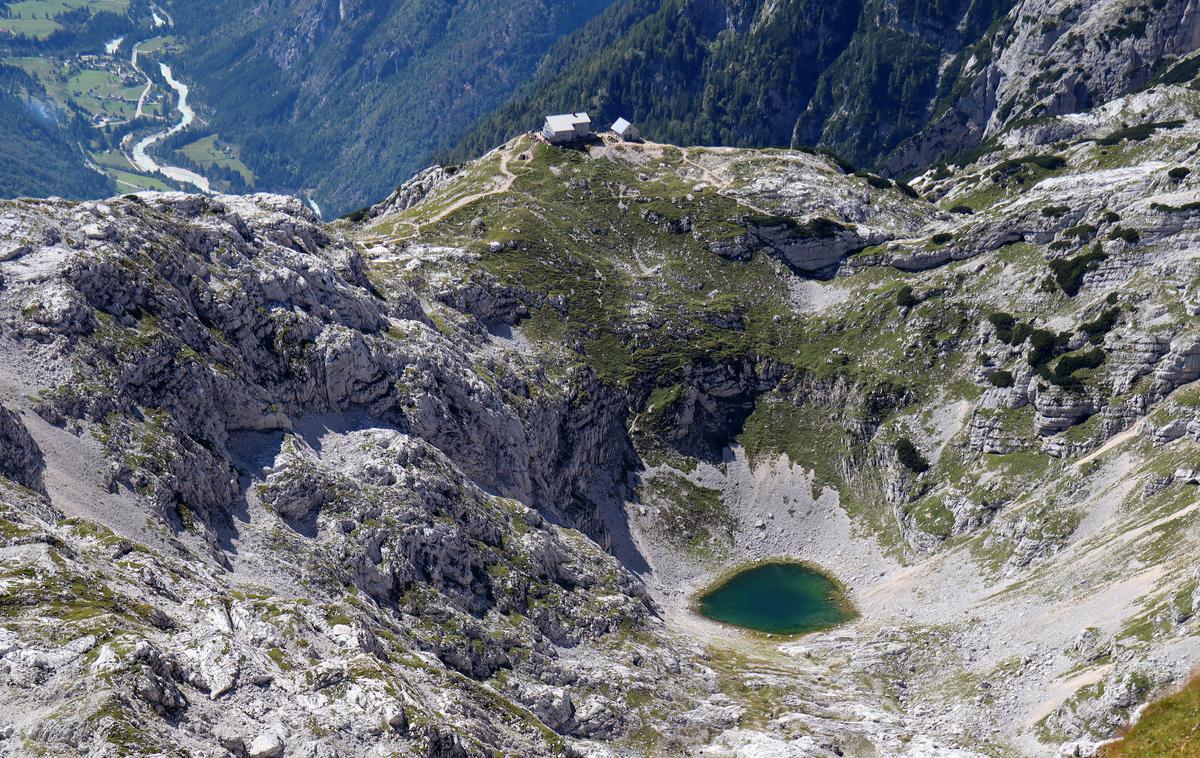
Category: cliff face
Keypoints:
(893, 85)
(1046, 59)
(280, 482)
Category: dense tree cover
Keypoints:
(39, 153)
(687, 72)
(352, 98)
(82, 31)
(859, 76)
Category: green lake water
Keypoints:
(777, 598)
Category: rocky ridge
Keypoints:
(443, 479)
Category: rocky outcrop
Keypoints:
(1180, 365)
(1099, 51)
(1059, 410)
(20, 459)
(199, 331)
(815, 245)
(413, 191)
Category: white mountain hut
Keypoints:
(625, 130)
(567, 127)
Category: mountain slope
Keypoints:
(346, 97)
(980, 419)
(728, 73)
(270, 484)
(895, 85)
(38, 157)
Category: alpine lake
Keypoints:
(778, 598)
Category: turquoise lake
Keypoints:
(777, 598)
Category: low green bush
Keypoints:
(1185, 208)
(1004, 323)
(1009, 330)
(1044, 162)
(1082, 231)
(1101, 325)
(1068, 272)
(1064, 371)
(1001, 378)
(1045, 345)
(1137, 133)
(1130, 236)
(905, 297)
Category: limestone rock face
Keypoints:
(20, 459)
(1103, 50)
(412, 191)
(226, 372)
(812, 246)
(1058, 410)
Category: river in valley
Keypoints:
(142, 160)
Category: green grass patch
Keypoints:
(1167, 727)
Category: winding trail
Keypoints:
(1113, 442)
(506, 157)
(462, 202)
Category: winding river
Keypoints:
(139, 156)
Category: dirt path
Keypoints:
(462, 202)
(707, 173)
(717, 183)
(1116, 440)
(133, 60)
(1061, 689)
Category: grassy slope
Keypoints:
(616, 250)
(1168, 728)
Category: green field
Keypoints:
(40, 68)
(131, 182)
(102, 92)
(111, 159)
(118, 167)
(36, 18)
(156, 44)
(209, 151)
(98, 91)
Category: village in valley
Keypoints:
(112, 94)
